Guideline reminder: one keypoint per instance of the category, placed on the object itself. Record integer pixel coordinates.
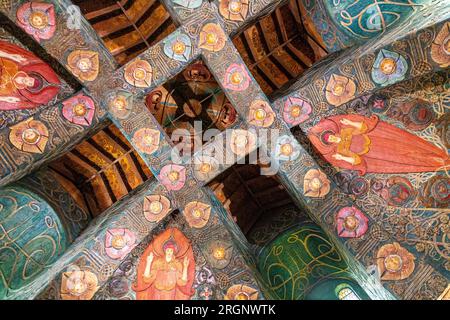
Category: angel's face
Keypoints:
(169, 254)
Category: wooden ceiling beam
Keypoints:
(104, 11)
(285, 60)
(306, 60)
(125, 20)
(129, 44)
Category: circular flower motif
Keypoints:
(340, 90)
(399, 191)
(84, 64)
(242, 142)
(351, 223)
(234, 10)
(316, 184)
(440, 48)
(351, 184)
(188, 4)
(120, 104)
(29, 136)
(296, 110)
(119, 243)
(178, 46)
(389, 68)
(286, 148)
(205, 167)
(212, 37)
(37, 19)
(241, 292)
(396, 191)
(138, 73)
(156, 207)
(173, 177)
(394, 262)
(146, 140)
(220, 253)
(197, 214)
(261, 114)
(78, 285)
(436, 192)
(236, 77)
(79, 109)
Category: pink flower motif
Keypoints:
(296, 110)
(119, 242)
(79, 109)
(236, 78)
(351, 223)
(37, 19)
(173, 177)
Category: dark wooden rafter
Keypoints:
(128, 27)
(101, 176)
(284, 46)
(249, 196)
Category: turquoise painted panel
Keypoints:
(31, 238)
(345, 23)
(300, 259)
(366, 19)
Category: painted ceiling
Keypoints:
(91, 190)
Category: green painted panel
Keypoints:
(300, 263)
(31, 238)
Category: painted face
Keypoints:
(84, 64)
(260, 114)
(118, 242)
(393, 262)
(139, 74)
(211, 38)
(351, 223)
(38, 20)
(334, 139)
(339, 89)
(296, 111)
(242, 296)
(79, 109)
(31, 136)
(156, 207)
(120, 103)
(227, 114)
(219, 253)
(286, 149)
(179, 47)
(388, 65)
(235, 6)
(169, 254)
(27, 81)
(236, 78)
(315, 184)
(173, 176)
(148, 140)
(197, 213)
(241, 141)
(205, 167)
(78, 287)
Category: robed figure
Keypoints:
(25, 81)
(369, 145)
(166, 269)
